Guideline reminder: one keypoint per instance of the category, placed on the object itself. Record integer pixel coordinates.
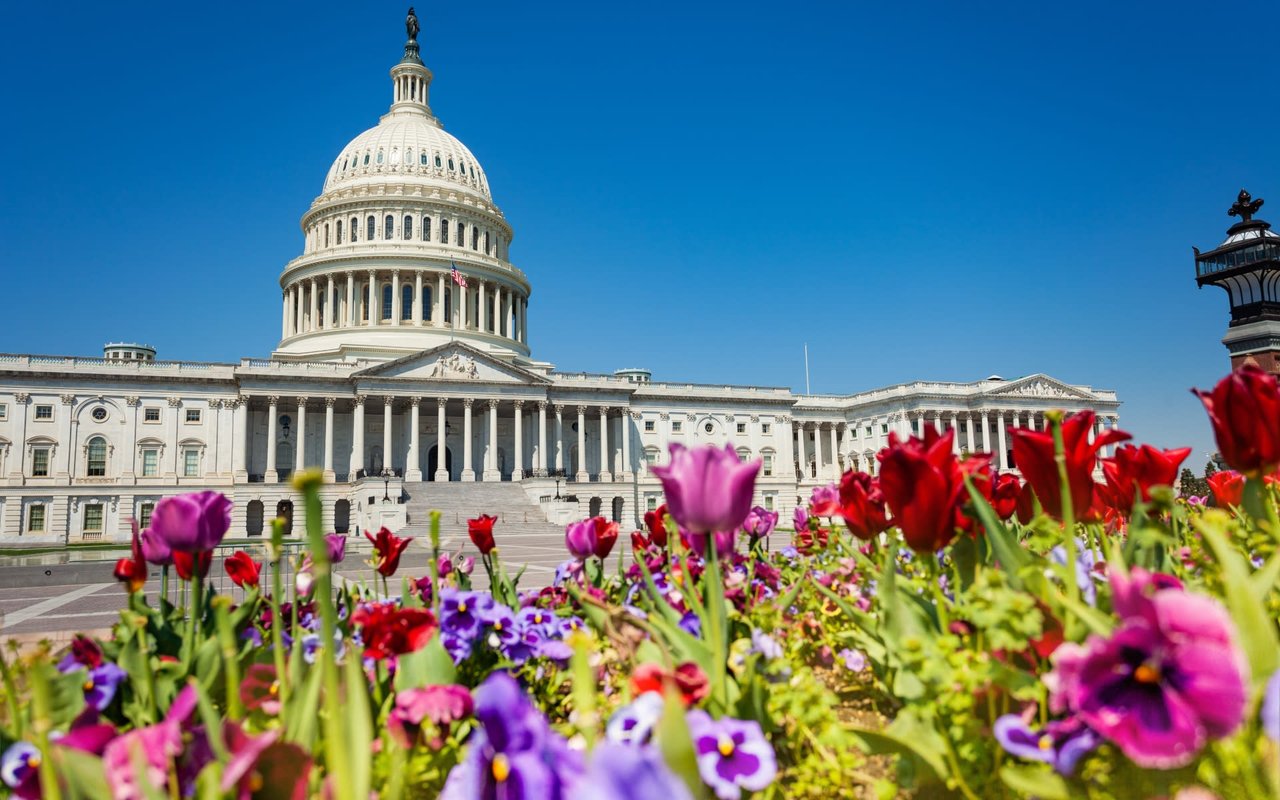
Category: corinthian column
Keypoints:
(582, 475)
(413, 469)
(270, 475)
(605, 476)
(328, 439)
(357, 439)
(491, 451)
(540, 464)
(517, 469)
(468, 474)
(299, 452)
(442, 459)
(387, 462)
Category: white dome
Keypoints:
(407, 144)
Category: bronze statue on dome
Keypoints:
(411, 25)
(1245, 206)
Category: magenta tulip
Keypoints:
(192, 523)
(708, 488)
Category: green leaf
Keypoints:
(1009, 553)
(1035, 781)
(1263, 582)
(676, 744)
(83, 773)
(911, 737)
(358, 729)
(438, 664)
(964, 554)
(304, 716)
(1256, 629)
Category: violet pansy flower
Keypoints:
(19, 769)
(101, 683)
(707, 488)
(1061, 743)
(634, 723)
(854, 660)
(732, 754)
(620, 772)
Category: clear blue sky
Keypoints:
(923, 190)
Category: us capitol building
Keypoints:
(414, 387)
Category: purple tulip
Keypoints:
(1169, 678)
(337, 545)
(580, 539)
(1061, 743)
(708, 488)
(155, 746)
(444, 565)
(155, 550)
(620, 772)
(193, 522)
(724, 541)
(1271, 708)
(760, 522)
(801, 518)
(732, 754)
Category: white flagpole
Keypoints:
(806, 368)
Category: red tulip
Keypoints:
(243, 570)
(481, 532)
(1026, 509)
(390, 631)
(688, 679)
(639, 543)
(132, 571)
(923, 485)
(862, 505)
(978, 468)
(1227, 487)
(190, 565)
(656, 522)
(387, 548)
(1033, 453)
(1244, 409)
(1004, 494)
(606, 536)
(1133, 470)
(810, 540)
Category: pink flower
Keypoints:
(441, 705)
(708, 488)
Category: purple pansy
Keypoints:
(732, 754)
(634, 723)
(1061, 743)
(765, 645)
(101, 683)
(462, 613)
(1271, 708)
(707, 488)
(1170, 677)
(691, 624)
(620, 772)
(19, 769)
(854, 660)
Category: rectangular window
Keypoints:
(4, 410)
(868, 431)
(742, 427)
(648, 426)
(768, 502)
(151, 414)
(767, 466)
(44, 412)
(193, 415)
(651, 503)
(93, 518)
(144, 515)
(884, 428)
(675, 427)
(40, 462)
(150, 463)
(190, 463)
(35, 519)
(766, 428)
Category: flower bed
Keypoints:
(934, 630)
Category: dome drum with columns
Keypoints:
(398, 382)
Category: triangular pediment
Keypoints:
(453, 361)
(1040, 386)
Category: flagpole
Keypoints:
(806, 368)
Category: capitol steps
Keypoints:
(520, 520)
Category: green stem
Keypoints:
(41, 726)
(1068, 511)
(277, 627)
(714, 601)
(939, 599)
(193, 621)
(435, 563)
(230, 655)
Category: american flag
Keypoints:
(457, 276)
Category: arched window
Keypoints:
(386, 301)
(366, 159)
(326, 234)
(408, 156)
(451, 164)
(406, 302)
(96, 466)
(379, 156)
(437, 161)
(426, 302)
(408, 228)
(388, 226)
(355, 227)
(422, 158)
(426, 229)
(344, 164)
(448, 304)
(462, 234)
(487, 250)
(475, 238)
(444, 231)
(338, 226)
(370, 228)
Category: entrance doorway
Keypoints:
(285, 509)
(433, 462)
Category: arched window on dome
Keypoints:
(406, 302)
(96, 458)
(371, 228)
(422, 158)
(326, 234)
(444, 231)
(379, 156)
(338, 231)
(355, 227)
(388, 227)
(408, 228)
(345, 161)
(426, 229)
(448, 304)
(408, 156)
(475, 238)
(451, 164)
(487, 250)
(321, 299)
(426, 302)
(365, 295)
(492, 314)
(366, 159)
(386, 301)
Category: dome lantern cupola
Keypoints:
(411, 79)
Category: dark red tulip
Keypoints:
(132, 571)
(391, 631)
(243, 570)
(1033, 453)
(1004, 494)
(606, 536)
(1133, 470)
(190, 565)
(1026, 509)
(1227, 487)
(1244, 409)
(480, 530)
(923, 485)
(862, 505)
(688, 679)
(387, 548)
(656, 522)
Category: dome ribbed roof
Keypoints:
(407, 144)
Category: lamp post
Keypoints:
(386, 484)
(557, 486)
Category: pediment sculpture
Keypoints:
(455, 365)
